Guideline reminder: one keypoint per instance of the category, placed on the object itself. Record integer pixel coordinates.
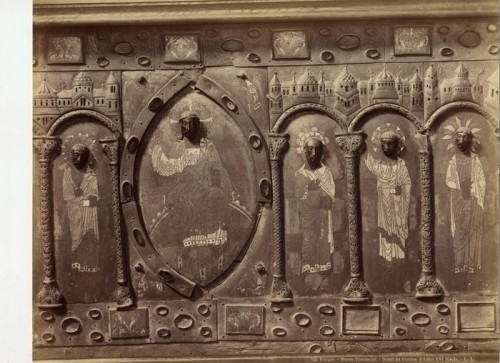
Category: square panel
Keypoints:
(290, 44)
(361, 320)
(412, 40)
(129, 324)
(244, 319)
(64, 50)
(181, 48)
(476, 317)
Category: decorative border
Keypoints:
(78, 12)
(137, 233)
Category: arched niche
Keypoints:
(466, 222)
(190, 222)
(316, 255)
(390, 199)
(84, 209)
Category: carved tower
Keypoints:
(431, 91)
(416, 93)
(346, 93)
(462, 88)
(275, 97)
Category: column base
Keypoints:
(124, 298)
(281, 291)
(50, 297)
(356, 291)
(428, 287)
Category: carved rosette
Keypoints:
(47, 147)
(123, 294)
(427, 286)
(278, 145)
(352, 145)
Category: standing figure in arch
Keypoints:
(81, 195)
(315, 191)
(393, 192)
(467, 184)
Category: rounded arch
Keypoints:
(456, 106)
(297, 110)
(356, 123)
(68, 117)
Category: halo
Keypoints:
(86, 138)
(452, 127)
(314, 133)
(188, 105)
(384, 128)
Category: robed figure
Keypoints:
(393, 197)
(201, 207)
(315, 191)
(81, 195)
(467, 184)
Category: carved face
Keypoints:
(463, 140)
(389, 143)
(79, 156)
(313, 150)
(190, 127)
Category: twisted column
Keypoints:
(427, 286)
(47, 147)
(278, 144)
(351, 145)
(123, 293)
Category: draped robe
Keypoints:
(392, 209)
(313, 187)
(82, 218)
(466, 210)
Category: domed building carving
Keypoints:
(48, 104)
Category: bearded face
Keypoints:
(190, 128)
(313, 151)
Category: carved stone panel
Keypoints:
(317, 188)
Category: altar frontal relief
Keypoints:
(196, 189)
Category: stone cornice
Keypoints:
(116, 12)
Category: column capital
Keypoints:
(46, 146)
(278, 145)
(110, 147)
(351, 143)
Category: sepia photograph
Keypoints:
(264, 181)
